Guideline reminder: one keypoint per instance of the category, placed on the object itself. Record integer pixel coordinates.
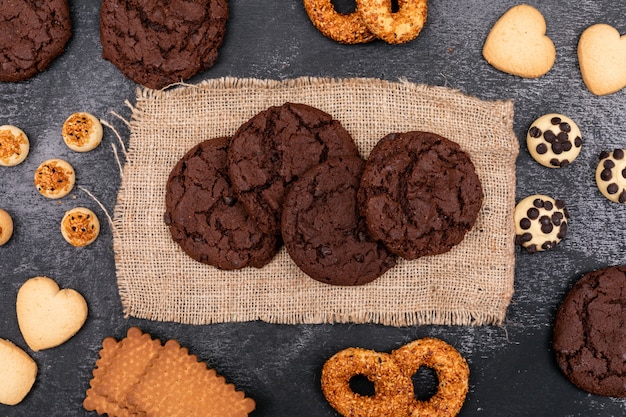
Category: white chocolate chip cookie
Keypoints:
(14, 146)
(82, 132)
(55, 178)
(18, 372)
(540, 222)
(611, 175)
(6, 227)
(554, 140)
(80, 226)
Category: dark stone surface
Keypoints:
(513, 370)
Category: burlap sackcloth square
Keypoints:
(470, 285)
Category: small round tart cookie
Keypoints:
(82, 132)
(272, 149)
(589, 333)
(340, 27)
(55, 178)
(14, 146)
(6, 227)
(540, 222)
(80, 226)
(204, 215)
(419, 193)
(324, 232)
(393, 390)
(611, 175)
(32, 34)
(554, 140)
(401, 26)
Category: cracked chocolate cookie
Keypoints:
(420, 193)
(323, 230)
(590, 330)
(204, 215)
(159, 43)
(32, 34)
(270, 151)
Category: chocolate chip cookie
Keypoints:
(589, 333)
(323, 230)
(420, 193)
(204, 216)
(270, 151)
(159, 43)
(32, 34)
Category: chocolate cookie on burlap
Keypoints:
(270, 151)
(323, 230)
(157, 43)
(32, 34)
(419, 193)
(204, 216)
(589, 335)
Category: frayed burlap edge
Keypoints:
(157, 281)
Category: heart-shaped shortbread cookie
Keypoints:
(518, 45)
(602, 59)
(48, 316)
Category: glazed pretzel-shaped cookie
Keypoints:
(372, 19)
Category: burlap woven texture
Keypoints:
(470, 285)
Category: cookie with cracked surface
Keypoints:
(272, 149)
(323, 230)
(204, 215)
(159, 43)
(590, 330)
(540, 222)
(32, 34)
(419, 193)
(611, 175)
(554, 140)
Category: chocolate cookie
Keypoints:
(323, 230)
(270, 151)
(419, 193)
(589, 335)
(204, 215)
(157, 43)
(32, 34)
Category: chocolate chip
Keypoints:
(532, 213)
(618, 154)
(606, 174)
(565, 127)
(548, 244)
(612, 188)
(525, 223)
(555, 120)
(622, 197)
(549, 136)
(564, 162)
(578, 142)
(541, 148)
(624, 172)
(562, 231)
(526, 237)
(557, 148)
(359, 257)
(537, 202)
(608, 164)
(567, 146)
(548, 205)
(555, 162)
(532, 249)
(563, 137)
(325, 251)
(603, 155)
(557, 218)
(534, 132)
(229, 201)
(559, 203)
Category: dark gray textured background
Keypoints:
(513, 372)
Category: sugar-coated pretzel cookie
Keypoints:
(554, 140)
(82, 132)
(540, 222)
(6, 227)
(399, 27)
(452, 375)
(393, 389)
(611, 175)
(54, 178)
(80, 226)
(14, 145)
(340, 27)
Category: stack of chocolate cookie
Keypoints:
(293, 174)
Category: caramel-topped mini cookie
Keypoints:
(540, 222)
(80, 226)
(6, 227)
(82, 132)
(611, 175)
(14, 145)
(554, 140)
(55, 178)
